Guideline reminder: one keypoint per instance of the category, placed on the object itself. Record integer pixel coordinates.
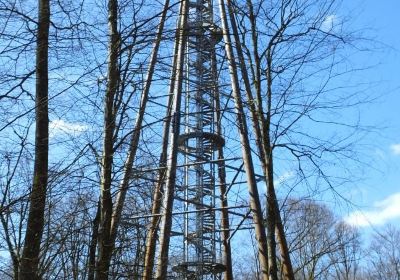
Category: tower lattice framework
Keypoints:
(198, 144)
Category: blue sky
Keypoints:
(378, 196)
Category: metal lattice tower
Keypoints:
(198, 145)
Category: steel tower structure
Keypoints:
(198, 144)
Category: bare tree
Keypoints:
(280, 46)
(311, 231)
(383, 260)
(346, 258)
(255, 205)
(106, 206)
(322, 246)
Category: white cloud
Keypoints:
(329, 23)
(382, 212)
(58, 127)
(283, 178)
(395, 149)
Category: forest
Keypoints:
(184, 139)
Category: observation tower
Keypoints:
(198, 144)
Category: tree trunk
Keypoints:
(93, 244)
(261, 128)
(227, 253)
(166, 219)
(152, 236)
(105, 244)
(286, 262)
(246, 151)
(271, 223)
(123, 187)
(225, 232)
(34, 229)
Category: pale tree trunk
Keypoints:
(255, 204)
(106, 207)
(34, 229)
(257, 118)
(152, 235)
(166, 219)
(261, 127)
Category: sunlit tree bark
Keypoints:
(255, 204)
(169, 192)
(152, 236)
